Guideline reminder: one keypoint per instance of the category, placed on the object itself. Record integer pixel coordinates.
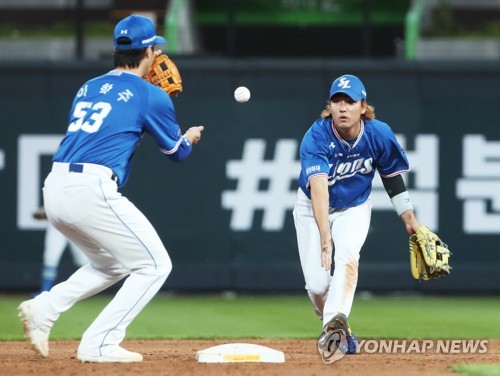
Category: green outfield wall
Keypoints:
(225, 214)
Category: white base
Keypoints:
(240, 352)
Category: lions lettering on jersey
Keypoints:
(346, 170)
(349, 168)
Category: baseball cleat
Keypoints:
(334, 335)
(38, 338)
(111, 354)
(352, 344)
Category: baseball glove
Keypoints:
(429, 255)
(164, 74)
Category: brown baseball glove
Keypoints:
(165, 75)
(429, 255)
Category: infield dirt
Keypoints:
(178, 357)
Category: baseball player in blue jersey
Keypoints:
(339, 155)
(109, 116)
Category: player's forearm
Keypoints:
(191, 137)
(411, 222)
(396, 189)
(320, 204)
(182, 152)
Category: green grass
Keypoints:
(427, 318)
(477, 369)
(216, 316)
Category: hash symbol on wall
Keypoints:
(276, 199)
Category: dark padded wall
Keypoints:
(225, 213)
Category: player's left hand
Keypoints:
(411, 223)
(164, 74)
(429, 255)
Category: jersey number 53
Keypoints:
(89, 116)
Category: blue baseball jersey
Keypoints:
(109, 116)
(350, 166)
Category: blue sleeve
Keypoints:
(392, 159)
(161, 124)
(313, 154)
(182, 151)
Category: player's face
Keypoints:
(346, 112)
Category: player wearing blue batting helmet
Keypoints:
(340, 154)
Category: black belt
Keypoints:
(76, 167)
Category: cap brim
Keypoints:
(352, 95)
(160, 40)
(157, 40)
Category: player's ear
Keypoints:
(150, 50)
(363, 107)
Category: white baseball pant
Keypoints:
(349, 228)
(119, 242)
(54, 245)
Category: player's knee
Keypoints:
(349, 270)
(159, 268)
(317, 286)
(347, 258)
(351, 264)
(165, 268)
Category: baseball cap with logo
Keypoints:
(135, 32)
(350, 85)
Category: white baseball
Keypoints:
(242, 94)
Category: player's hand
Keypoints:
(411, 223)
(193, 134)
(326, 253)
